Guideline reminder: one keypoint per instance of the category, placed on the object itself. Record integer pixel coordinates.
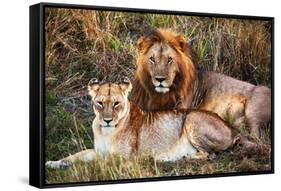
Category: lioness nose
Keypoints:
(107, 120)
(160, 78)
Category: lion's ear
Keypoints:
(146, 41)
(93, 86)
(182, 42)
(126, 85)
(140, 43)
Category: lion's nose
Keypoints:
(107, 120)
(160, 78)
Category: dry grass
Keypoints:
(81, 44)
(117, 168)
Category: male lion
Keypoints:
(120, 127)
(166, 78)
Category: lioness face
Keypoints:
(110, 102)
(162, 66)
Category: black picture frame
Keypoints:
(37, 93)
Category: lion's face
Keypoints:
(110, 102)
(161, 55)
(162, 66)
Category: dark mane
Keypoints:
(143, 93)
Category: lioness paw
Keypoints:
(58, 164)
(165, 158)
(200, 155)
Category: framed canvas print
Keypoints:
(127, 95)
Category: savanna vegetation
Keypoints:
(81, 44)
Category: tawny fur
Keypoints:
(165, 135)
(143, 93)
(190, 88)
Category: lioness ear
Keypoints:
(182, 42)
(93, 86)
(126, 85)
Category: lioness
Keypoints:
(120, 127)
(166, 78)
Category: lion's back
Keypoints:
(216, 84)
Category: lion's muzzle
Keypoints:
(160, 84)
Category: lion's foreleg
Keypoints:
(84, 156)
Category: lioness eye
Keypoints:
(116, 104)
(152, 60)
(170, 60)
(100, 104)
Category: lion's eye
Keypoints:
(170, 60)
(152, 60)
(116, 104)
(100, 104)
